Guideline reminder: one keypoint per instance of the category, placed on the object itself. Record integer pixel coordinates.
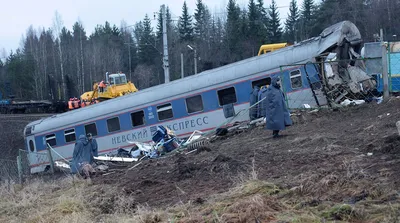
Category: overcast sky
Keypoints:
(17, 15)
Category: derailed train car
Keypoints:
(196, 102)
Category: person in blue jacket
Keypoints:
(277, 115)
(253, 100)
(81, 157)
(261, 106)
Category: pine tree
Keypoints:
(147, 53)
(185, 25)
(264, 22)
(199, 19)
(275, 30)
(307, 18)
(233, 28)
(291, 22)
(261, 9)
(79, 44)
(160, 24)
(254, 20)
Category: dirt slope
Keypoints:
(337, 166)
(324, 156)
(11, 133)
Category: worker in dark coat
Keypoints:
(93, 147)
(277, 115)
(261, 107)
(81, 157)
(254, 100)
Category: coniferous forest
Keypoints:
(61, 62)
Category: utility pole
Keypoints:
(165, 43)
(195, 61)
(182, 71)
(195, 57)
(385, 75)
(130, 59)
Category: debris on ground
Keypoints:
(327, 162)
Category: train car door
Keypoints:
(31, 149)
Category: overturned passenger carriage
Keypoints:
(197, 102)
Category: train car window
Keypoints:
(165, 112)
(194, 104)
(113, 124)
(261, 82)
(51, 140)
(227, 96)
(91, 128)
(137, 118)
(295, 79)
(70, 135)
(28, 131)
(31, 146)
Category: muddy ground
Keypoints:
(346, 156)
(11, 133)
(339, 156)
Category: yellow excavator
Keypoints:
(116, 85)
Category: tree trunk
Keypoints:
(83, 69)
(64, 96)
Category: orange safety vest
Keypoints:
(102, 84)
(76, 104)
(83, 104)
(70, 105)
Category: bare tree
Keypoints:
(144, 76)
(57, 26)
(33, 53)
(3, 54)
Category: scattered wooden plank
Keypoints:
(116, 159)
(108, 173)
(191, 152)
(134, 166)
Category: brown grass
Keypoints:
(249, 200)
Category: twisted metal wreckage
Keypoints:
(343, 73)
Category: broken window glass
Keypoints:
(137, 118)
(194, 104)
(227, 96)
(261, 82)
(165, 112)
(295, 79)
(113, 124)
(70, 135)
(91, 128)
(51, 140)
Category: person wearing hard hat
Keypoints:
(102, 86)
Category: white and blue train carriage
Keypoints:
(185, 105)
